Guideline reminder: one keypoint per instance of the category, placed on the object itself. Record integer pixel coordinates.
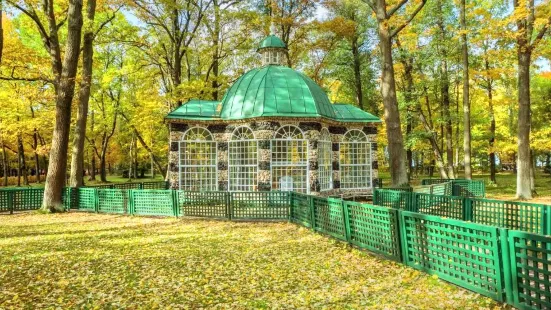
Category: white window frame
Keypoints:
(234, 140)
(325, 172)
(276, 165)
(367, 143)
(182, 144)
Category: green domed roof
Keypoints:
(275, 91)
(271, 41)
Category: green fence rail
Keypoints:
(461, 187)
(133, 185)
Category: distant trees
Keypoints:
(450, 100)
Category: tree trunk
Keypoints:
(532, 172)
(22, 162)
(5, 163)
(93, 168)
(216, 51)
(398, 170)
(492, 132)
(102, 165)
(445, 94)
(1, 31)
(357, 72)
(36, 157)
(57, 169)
(77, 158)
(523, 163)
(466, 102)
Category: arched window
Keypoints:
(198, 161)
(289, 160)
(355, 160)
(325, 171)
(243, 160)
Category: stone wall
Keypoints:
(264, 130)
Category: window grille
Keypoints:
(243, 160)
(355, 161)
(289, 160)
(325, 172)
(198, 171)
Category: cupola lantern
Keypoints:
(273, 51)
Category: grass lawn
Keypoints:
(79, 260)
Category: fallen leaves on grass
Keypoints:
(102, 261)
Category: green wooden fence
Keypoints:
(529, 217)
(496, 248)
(461, 187)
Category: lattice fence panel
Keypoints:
(112, 200)
(260, 205)
(446, 206)
(531, 270)
(203, 204)
(70, 198)
(463, 253)
(87, 199)
(300, 209)
(155, 185)
(523, 216)
(27, 199)
(127, 186)
(374, 228)
(329, 217)
(153, 202)
(5, 198)
(393, 199)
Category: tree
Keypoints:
(77, 158)
(387, 32)
(525, 20)
(64, 69)
(466, 102)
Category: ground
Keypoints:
(79, 260)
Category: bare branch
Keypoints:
(396, 8)
(371, 5)
(540, 35)
(411, 17)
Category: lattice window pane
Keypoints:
(325, 172)
(355, 161)
(289, 160)
(243, 160)
(290, 178)
(198, 171)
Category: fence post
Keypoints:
(229, 207)
(131, 202)
(312, 212)
(375, 196)
(175, 202)
(290, 204)
(547, 220)
(346, 220)
(96, 200)
(506, 265)
(467, 209)
(402, 235)
(10, 201)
